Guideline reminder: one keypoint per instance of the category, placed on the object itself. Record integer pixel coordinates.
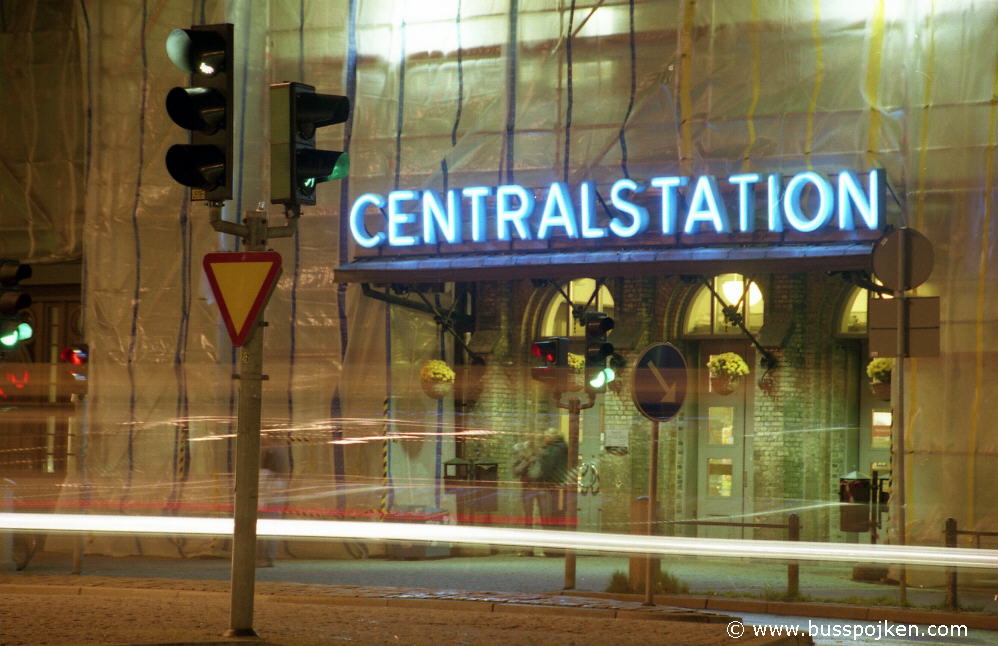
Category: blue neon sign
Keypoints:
(809, 202)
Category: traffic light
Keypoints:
(296, 166)
(77, 357)
(205, 108)
(554, 351)
(14, 324)
(598, 373)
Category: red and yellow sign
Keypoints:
(242, 282)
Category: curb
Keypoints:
(815, 609)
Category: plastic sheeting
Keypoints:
(480, 92)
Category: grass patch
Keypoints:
(665, 583)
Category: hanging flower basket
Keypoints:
(879, 371)
(724, 384)
(726, 372)
(436, 378)
(436, 389)
(881, 391)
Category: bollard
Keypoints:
(637, 568)
(6, 538)
(793, 568)
(951, 598)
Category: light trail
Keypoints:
(587, 541)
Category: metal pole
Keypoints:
(247, 460)
(952, 601)
(76, 458)
(902, 350)
(652, 506)
(793, 567)
(571, 512)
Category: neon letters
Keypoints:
(806, 203)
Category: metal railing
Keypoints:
(793, 534)
(951, 533)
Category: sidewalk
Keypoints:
(84, 610)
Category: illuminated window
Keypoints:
(720, 477)
(880, 430)
(705, 315)
(558, 320)
(721, 424)
(855, 312)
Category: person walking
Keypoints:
(527, 469)
(275, 470)
(553, 477)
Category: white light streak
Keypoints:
(588, 541)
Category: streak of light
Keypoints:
(617, 543)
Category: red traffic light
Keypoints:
(76, 355)
(547, 350)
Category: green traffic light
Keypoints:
(341, 169)
(602, 378)
(24, 331)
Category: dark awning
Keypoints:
(628, 262)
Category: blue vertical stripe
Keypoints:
(136, 241)
(511, 63)
(238, 194)
(296, 275)
(400, 113)
(570, 92)
(336, 406)
(460, 77)
(634, 88)
(399, 122)
(439, 440)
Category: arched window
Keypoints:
(558, 320)
(705, 316)
(854, 321)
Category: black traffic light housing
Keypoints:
(598, 375)
(554, 373)
(14, 324)
(296, 165)
(205, 109)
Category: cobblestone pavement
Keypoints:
(40, 610)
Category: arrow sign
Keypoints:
(241, 282)
(658, 386)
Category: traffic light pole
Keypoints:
(254, 234)
(574, 407)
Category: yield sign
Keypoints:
(242, 282)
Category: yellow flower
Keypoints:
(436, 371)
(879, 370)
(727, 364)
(576, 362)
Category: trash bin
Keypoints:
(854, 502)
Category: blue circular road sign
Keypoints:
(658, 384)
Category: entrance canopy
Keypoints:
(629, 262)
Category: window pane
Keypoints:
(880, 435)
(854, 319)
(756, 306)
(719, 477)
(698, 319)
(721, 424)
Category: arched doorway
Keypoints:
(557, 319)
(724, 419)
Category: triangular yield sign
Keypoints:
(242, 282)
